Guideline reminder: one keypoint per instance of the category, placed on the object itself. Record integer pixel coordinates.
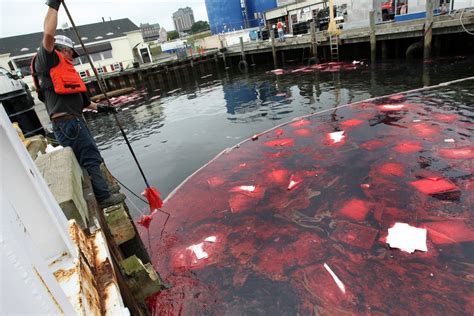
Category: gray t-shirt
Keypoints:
(57, 103)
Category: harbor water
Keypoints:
(296, 220)
(178, 133)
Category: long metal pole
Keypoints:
(103, 90)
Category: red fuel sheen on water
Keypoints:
(295, 222)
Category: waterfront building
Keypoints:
(183, 19)
(281, 3)
(150, 32)
(163, 35)
(113, 45)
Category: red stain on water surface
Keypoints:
(351, 123)
(301, 123)
(391, 169)
(215, 182)
(426, 130)
(304, 132)
(457, 153)
(451, 232)
(429, 186)
(280, 142)
(355, 209)
(447, 118)
(279, 132)
(408, 147)
(298, 225)
(355, 235)
(373, 144)
(279, 176)
(397, 97)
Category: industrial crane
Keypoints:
(334, 32)
(333, 28)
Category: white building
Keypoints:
(183, 19)
(113, 45)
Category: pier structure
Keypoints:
(378, 41)
(425, 38)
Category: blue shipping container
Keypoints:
(224, 15)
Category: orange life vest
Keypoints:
(64, 77)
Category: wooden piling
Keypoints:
(426, 75)
(373, 40)
(242, 49)
(384, 50)
(275, 61)
(314, 45)
(428, 30)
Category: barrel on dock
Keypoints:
(20, 110)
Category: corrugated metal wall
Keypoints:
(224, 15)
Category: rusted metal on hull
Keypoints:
(89, 281)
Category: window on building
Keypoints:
(83, 74)
(294, 18)
(96, 56)
(117, 67)
(107, 54)
(100, 71)
(101, 55)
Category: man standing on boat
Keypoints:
(64, 93)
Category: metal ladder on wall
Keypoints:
(334, 47)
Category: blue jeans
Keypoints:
(281, 35)
(75, 134)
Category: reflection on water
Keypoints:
(177, 134)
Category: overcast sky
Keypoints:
(26, 16)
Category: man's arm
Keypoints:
(50, 24)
